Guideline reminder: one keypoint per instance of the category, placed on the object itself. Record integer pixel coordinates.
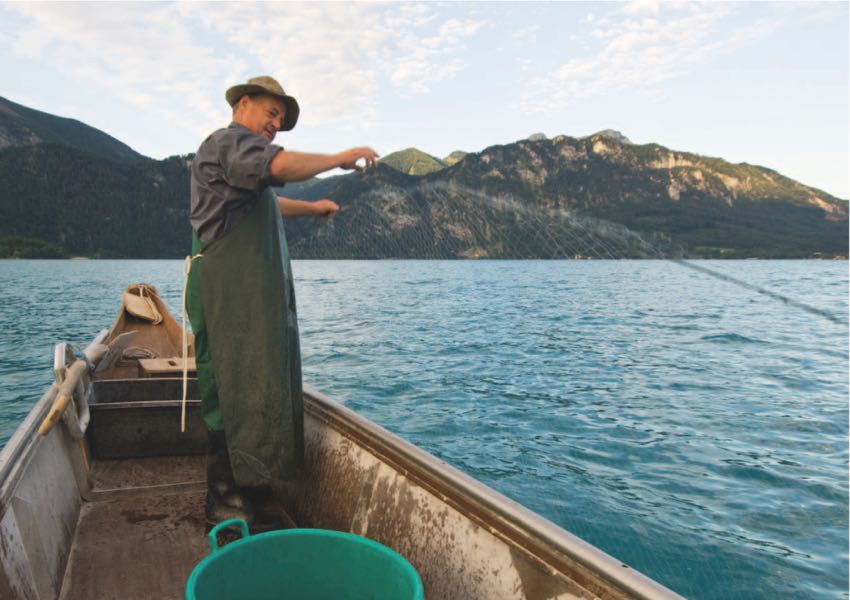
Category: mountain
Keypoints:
(590, 197)
(68, 189)
(22, 126)
(315, 188)
(612, 134)
(454, 157)
(91, 206)
(413, 162)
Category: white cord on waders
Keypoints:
(187, 267)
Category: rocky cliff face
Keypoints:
(68, 186)
(598, 196)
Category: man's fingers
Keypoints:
(367, 158)
(331, 213)
(361, 159)
(372, 157)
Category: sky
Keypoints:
(759, 82)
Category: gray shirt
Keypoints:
(229, 173)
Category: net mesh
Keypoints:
(438, 220)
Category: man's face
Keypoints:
(261, 114)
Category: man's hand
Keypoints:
(325, 208)
(349, 158)
(288, 165)
(290, 207)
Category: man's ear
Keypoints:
(242, 103)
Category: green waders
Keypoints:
(241, 303)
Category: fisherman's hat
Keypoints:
(266, 85)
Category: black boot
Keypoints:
(268, 513)
(224, 499)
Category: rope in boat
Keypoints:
(187, 268)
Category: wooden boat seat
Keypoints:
(166, 367)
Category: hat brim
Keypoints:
(290, 118)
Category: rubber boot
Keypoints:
(268, 514)
(224, 499)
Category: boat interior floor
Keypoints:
(142, 533)
(143, 475)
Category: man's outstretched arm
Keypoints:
(290, 207)
(288, 165)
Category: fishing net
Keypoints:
(436, 220)
(648, 406)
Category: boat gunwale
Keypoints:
(16, 454)
(21, 447)
(521, 527)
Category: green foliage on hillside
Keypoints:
(413, 162)
(454, 157)
(17, 247)
(22, 126)
(90, 206)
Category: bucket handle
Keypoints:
(213, 535)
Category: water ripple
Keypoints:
(683, 425)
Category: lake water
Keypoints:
(691, 428)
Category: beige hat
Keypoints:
(266, 85)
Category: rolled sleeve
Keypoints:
(245, 158)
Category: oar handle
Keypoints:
(63, 396)
(56, 411)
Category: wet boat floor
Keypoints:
(142, 546)
(144, 472)
(136, 548)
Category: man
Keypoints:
(241, 300)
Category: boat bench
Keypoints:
(137, 418)
(166, 367)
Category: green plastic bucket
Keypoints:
(301, 564)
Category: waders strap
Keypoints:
(187, 268)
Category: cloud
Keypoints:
(640, 52)
(635, 7)
(454, 30)
(145, 58)
(334, 55)
(325, 55)
(176, 59)
(426, 59)
(528, 33)
(408, 15)
(524, 63)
